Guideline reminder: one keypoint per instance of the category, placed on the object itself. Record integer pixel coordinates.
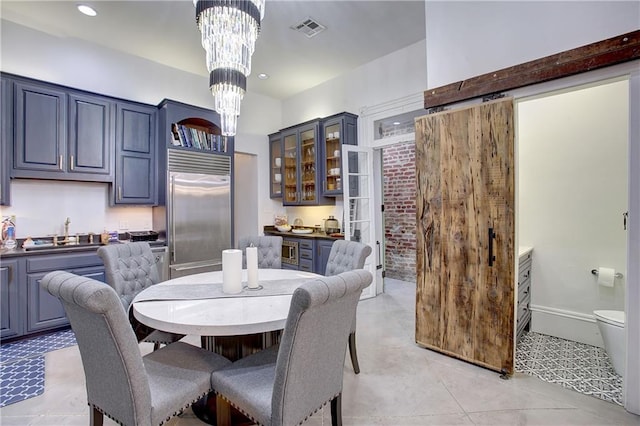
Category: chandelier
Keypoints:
(229, 31)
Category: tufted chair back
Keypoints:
(346, 256)
(129, 269)
(269, 251)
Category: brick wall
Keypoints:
(399, 191)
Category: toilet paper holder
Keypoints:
(617, 274)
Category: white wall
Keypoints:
(572, 172)
(469, 38)
(388, 78)
(90, 67)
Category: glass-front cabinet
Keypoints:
(301, 168)
(275, 168)
(337, 130)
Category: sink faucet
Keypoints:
(66, 229)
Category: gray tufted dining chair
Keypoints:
(347, 256)
(129, 269)
(286, 383)
(269, 250)
(121, 383)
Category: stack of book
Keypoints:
(190, 137)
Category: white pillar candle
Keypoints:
(252, 267)
(231, 271)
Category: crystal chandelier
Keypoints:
(229, 31)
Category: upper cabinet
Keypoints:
(6, 138)
(275, 165)
(305, 165)
(301, 169)
(135, 177)
(337, 130)
(191, 128)
(61, 133)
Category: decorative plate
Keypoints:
(302, 231)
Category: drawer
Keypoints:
(306, 265)
(523, 308)
(525, 257)
(306, 254)
(524, 271)
(524, 289)
(62, 261)
(306, 244)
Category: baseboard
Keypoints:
(565, 324)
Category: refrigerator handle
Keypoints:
(171, 217)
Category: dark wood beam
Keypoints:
(612, 51)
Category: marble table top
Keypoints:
(246, 313)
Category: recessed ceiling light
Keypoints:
(263, 76)
(395, 123)
(87, 10)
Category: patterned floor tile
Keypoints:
(21, 379)
(578, 366)
(22, 365)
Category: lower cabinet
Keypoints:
(10, 274)
(26, 307)
(45, 311)
(323, 248)
(312, 254)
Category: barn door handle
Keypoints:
(492, 236)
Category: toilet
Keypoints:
(611, 326)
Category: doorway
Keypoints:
(572, 196)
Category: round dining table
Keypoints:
(233, 325)
(196, 305)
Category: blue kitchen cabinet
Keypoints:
(10, 279)
(301, 171)
(62, 134)
(275, 165)
(6, 138)
(90, 149)
(337, 130)
(44, 312)
(323, 248)
(176, 117)
(135, 174)
(40, 134)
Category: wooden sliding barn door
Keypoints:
(465, 233)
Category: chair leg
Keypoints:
(96, 417)
(336, 411)
(353, 353)
(156, 346)
(223, 412)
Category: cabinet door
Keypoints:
(90, 140)
(290, 171)
(309, 176)
(10, 324)
(323, 248)
(336, 131)
(135, 181)
(40, 135)
(6, 138)
(275, 166)
(45, 312)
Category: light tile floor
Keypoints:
(400, 384)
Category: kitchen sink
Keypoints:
(62, 246)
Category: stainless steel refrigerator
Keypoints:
(198, 211)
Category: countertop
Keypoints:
(271, 230)
(20, 252)
(522, 250)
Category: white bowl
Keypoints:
(283, 228)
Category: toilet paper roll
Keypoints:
(252, 267)
(231, 271)
(606, 276)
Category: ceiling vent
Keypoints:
(309, 27)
